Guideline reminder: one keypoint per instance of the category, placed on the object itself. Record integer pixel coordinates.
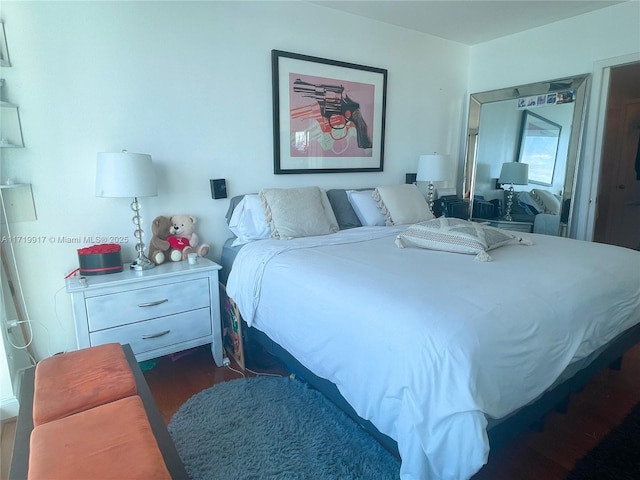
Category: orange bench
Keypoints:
(90, 414)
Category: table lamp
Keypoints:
(433, 168)
(130, 175)
(513, 173)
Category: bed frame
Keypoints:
(499, 432)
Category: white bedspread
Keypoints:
(427, 344)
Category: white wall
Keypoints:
(560, 49)
(570, 47)
(188, 83)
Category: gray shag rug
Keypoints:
(274, 428)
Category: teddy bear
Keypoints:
(183, 238)
(160, 247)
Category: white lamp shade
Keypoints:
(433, 168)
(515, 173)
(125, 175)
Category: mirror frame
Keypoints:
(578, 83)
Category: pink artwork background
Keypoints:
(311, 135)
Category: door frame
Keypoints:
(594, 139)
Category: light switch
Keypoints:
(218, 188)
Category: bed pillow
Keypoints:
(366, 207)
(529, 204)
(402, 204)
(458, 236)
(233, 203)
(298, 212)
(248, 222)
(548, 200)
(342, 209)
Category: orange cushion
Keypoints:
(112, 441)
(76, 381)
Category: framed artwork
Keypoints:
(4, 51)
(539, 139)
(328, 116)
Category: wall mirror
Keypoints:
(539, 124)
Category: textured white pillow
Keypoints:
(367, 209)
(458, 236)
(402, 204)
(548, 200)
(248, 222)
(298, 212)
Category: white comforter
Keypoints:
(427, 344)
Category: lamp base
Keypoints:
(430, 196)
(142, 263)
(507, 216)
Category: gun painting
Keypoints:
(329, 117)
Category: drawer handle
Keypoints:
(153, 304)
(155, 335)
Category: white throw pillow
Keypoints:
(248, 222)
(402, 204)
(367, 209)
(548, 200)
(458, 236)
(298, 212)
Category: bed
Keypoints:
(437, 351)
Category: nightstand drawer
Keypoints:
(514, 226)
(122, 308)
(159, 332)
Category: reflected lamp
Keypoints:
(128, 175)
(513, 173)
(433, 168)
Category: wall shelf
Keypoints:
(17, 203)
(10, 128)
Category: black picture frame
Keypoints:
(328, 116)
(539, 139)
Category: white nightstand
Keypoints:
(166, 309)
(517, 226)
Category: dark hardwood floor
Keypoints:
(174, 380)
(548, 455)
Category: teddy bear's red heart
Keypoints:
(178, 243)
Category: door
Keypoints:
(623, 216)
(618, 221)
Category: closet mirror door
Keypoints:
(539, 124)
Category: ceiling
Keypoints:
(468, 21)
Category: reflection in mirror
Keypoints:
(539, 124)
(539, 147)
